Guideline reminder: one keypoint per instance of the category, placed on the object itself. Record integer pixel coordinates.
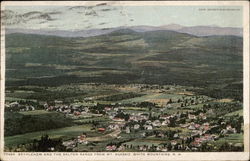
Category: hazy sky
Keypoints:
(103, 16)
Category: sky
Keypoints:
(106, 16)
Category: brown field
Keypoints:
(159, 102)
(186, 93)
(224, 100)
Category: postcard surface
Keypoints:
(124, 80)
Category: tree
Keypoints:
(46, 144)
(169, 146)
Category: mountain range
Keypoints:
(126, 56)
(194, 30)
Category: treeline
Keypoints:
(231, 91)
(108, 78)
(16, 123)
(44, 144)
(221, 109)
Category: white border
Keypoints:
(2, 89)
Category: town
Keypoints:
(143, 118)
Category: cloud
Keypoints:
(54, 13)
(91, 13)
(10, 17)
(40, 15)
(37, 15)
(77, 7)
(88, 16)
(103, 23)
(106, 9)
(89, 26)
(28, 14)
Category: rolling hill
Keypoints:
(194, 30)
(125, 56)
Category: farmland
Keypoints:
(138, 123)
(124, 91)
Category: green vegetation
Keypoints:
(148, 91)
(157, 57)
(233, 138)
(121, 96)
(18, 123)
(35, 112)
(91, 120)
(239, 112)
(66, 133)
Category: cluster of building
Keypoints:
(16, 106)
(144, 124)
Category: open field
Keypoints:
(232, 139)
(239, 112)
(65, 133)
(35, 112)
(88, 122)
(152, 97)
(123, 90)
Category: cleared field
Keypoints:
(152, 96)
(65, 133)
(135, 108)
(186, 93)
(86, 120)
(113, 134)
(142, 142)
(196, 106)
(225, 100)
(94, 147)
(35, 112)
(239, 112)
(17, 99)
(232, 138)
(19, 95)
(159, 102)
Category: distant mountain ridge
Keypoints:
(126, 56)
(194, 30)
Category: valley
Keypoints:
(124, 91)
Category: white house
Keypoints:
(148, 127)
